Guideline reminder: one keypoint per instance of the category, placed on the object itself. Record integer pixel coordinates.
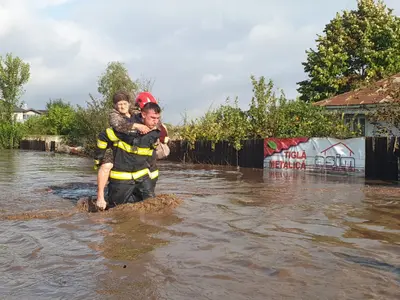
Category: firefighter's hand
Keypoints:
(143, 129)
(101, 204)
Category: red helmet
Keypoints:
(143, 98)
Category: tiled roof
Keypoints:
(376, 93)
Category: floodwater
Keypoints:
(236, 235)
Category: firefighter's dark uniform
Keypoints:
(130, 178)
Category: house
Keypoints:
(21, 114)
(355, 105)
(27, 113)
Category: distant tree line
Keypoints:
(356, 48)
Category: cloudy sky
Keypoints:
(198, 52)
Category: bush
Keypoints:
(10, 135)
(269, 115)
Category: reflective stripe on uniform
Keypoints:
(111, 135)
(101, 144)
(132, 149)
(128, 175)
(153, 174)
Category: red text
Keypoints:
(295, 155)
(276, 164)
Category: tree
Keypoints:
(269, 115)
(60, 118)
(93, 119)
(144, 84)
(263, 117)
(115, 78)
(357, 47)
(14, 73)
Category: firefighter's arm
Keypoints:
(123, 125)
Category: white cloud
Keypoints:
(262, 32)
(197, 52)
(211, 78)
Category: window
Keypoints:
(356, 122)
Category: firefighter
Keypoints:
(130, 179)
(162, 149)
(122, 120)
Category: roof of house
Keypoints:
(38, 111)
(18, 109)
(376, 93)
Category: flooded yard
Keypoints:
(236, 235)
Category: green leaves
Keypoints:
(59, 120)
(10, 135)
(61, 117)
(272, 145)
(115, 78)
(269, 115)
(14, 73)
(357, 47)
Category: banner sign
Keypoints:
(316, 155)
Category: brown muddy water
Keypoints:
(236, 235)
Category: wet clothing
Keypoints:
(123, 129)
(130, 177)
(124, 192)
(123, 124)
(119, 123)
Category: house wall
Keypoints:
(29, 114)
(374, 130)
(19, 117)
(23, 116)
(371, 130)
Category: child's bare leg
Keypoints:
(102, 178)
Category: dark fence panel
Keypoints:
(250, 156)
(381, 158)
(33, 145)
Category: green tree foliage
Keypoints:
(93, 119)
(298, 118)
(10, 135)
(60, 119)
(269, 115)
(113, 79)
(14, 73)
(263, 120)
(36, 125)
(144, 84)
(90, 121)
(357, 47)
